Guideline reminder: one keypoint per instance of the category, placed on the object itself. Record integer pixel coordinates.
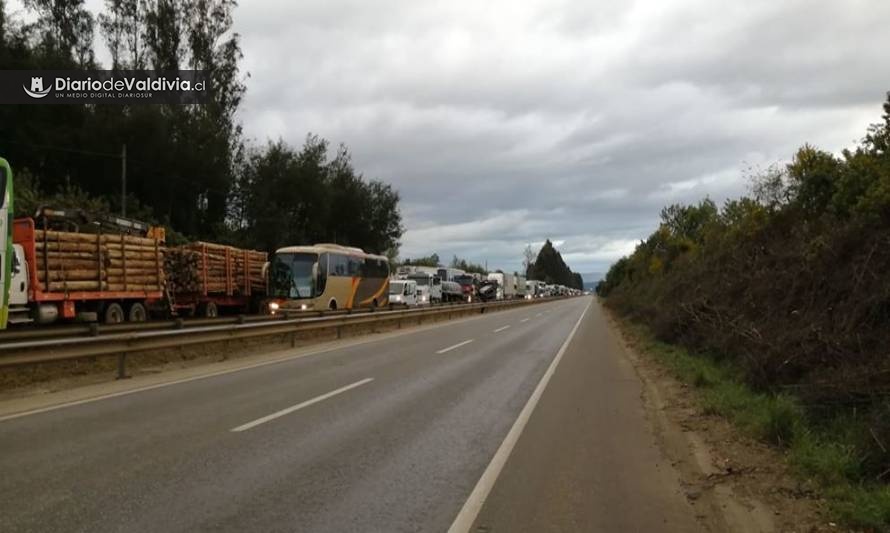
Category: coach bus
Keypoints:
(327, 277)
(6, 254)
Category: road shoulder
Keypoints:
(734, 482)
(587, 459)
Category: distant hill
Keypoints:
(591, 279)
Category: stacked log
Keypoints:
(183, 269)
(215, 269)
(69, 261)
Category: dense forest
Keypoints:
(188, 167)
(787, 286)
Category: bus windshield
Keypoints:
(291, 275)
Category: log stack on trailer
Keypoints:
(115, 277)
(65, 274)
(68, 261)
(205, 276)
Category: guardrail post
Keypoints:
(178, 323)
(293, 339)
(339, 332)
(122, 366)
(94, 329)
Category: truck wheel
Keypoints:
(137, 313)
(209, 310)
(114, 314)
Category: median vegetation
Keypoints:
(777, 306)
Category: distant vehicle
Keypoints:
(535, 289)
(506, 287)
(449, 274)
(429, 287)
(451, 291)
(403, 292)
(519, 285)
(327, 276)
(488, 290)
(469, 286)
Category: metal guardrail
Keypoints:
(31, 352)
(93, 329)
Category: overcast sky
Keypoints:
(503, 123)
(508, 122)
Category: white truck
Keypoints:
(535, 289)
(403, 292)
(429, 287)
(519, 283)
(452, 291)
(506, 285)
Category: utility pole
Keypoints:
(124, 180)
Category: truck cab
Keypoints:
(19, 311)
(429, 287)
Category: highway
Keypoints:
(520, 420)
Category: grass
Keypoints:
(824, 455)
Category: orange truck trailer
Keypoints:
(113, 277)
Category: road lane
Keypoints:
(400, 453)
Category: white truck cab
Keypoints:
(429, 287)
(403, 292)
(19, 310)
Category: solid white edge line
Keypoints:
(301, 405)
(470, 510)
(458, 345)
(502, 328)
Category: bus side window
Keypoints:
(339, 265)
(322, 274)
(355, 266)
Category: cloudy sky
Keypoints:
(503, 123)
(507, 122)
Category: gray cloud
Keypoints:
(504, 123)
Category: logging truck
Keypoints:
(118, 276)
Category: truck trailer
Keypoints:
(116, 277)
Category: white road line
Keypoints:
(502, 328)
(458, 345)
(473, 505)
(307, 403)
(539, 314)
(523, 320)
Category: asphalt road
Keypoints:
(389, 435)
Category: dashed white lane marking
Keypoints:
(523, 320)
(502, 328)
(539, 314)
(307, 403)
(468, 513)
(458, 345)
